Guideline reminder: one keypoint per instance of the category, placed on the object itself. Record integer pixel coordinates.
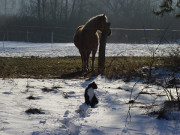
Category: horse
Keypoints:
(86, 39)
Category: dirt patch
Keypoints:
(34, 111)
(49, 90)
(31, 98)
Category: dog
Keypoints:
(90, 96)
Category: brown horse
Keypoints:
(86, 39)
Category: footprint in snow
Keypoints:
(84, 110)
(66, 113)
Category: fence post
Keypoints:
(102, 48)
(3, 39)
(27, 36)
(7, 36)
(52, 37)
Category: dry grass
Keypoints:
(35, 67)
(70, 67)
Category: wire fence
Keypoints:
(65, 34)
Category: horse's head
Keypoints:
(101, 21)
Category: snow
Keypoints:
(71, 116)
(62, 100)
(27, 49)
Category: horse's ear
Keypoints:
(103, 17)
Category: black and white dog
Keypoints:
(89, 95)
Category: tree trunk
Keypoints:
(39, 11)
(61, 12)
(72, 10)
(5, 8)
(43, 9)
(66, 11)
(102, 48)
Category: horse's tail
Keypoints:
(76, 37)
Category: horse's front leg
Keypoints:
(93, 59)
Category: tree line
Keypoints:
(37, 19)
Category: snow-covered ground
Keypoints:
(24, 49)
(63, 108)
(70, 116)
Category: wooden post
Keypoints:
(27, 36)
(4, 39)
(7, 38)
(52, 37)
(102, 48)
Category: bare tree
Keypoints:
(39, 10)
(73, 9)
(66, 11)
(115, 6)
(43, 9)
(168, 6)
(61, 11)
(54, 5)
(5, 7)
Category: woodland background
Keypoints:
(132, 21)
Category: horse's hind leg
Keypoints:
(87, 63)
(83, 60)
(83, 63)
(87, 59)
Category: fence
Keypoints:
(65, 34)
(36, 34)
(145, 35)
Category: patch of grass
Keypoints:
(168, 111)
(126, 67)
(49, 90)
(70, 67)
(34, 111)
(35, 67)
(31, 98)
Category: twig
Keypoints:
(130, 103)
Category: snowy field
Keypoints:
(68, 115)
(61, 101)
(23, 49)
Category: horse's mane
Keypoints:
(93, 20)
